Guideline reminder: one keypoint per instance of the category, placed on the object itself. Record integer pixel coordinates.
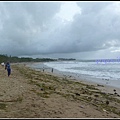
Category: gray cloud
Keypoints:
(23, 25)
(31, 28)
(95, 29)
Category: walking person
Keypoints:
(7, 66)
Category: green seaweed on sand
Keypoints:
(2, 105)
(71, 90)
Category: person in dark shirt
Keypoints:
(7, 66)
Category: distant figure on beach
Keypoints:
(43, 69)
(52, 70)
(7, 66)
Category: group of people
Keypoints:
(7, 67)
(44, 69)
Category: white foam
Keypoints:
(101, 71)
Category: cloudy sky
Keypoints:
(81, 30)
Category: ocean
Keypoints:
(104, 73)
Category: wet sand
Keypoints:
(36, 94)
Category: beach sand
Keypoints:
(36, 94)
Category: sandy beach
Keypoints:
(36, 94)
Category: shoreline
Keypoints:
(29, 93)
(77, 77)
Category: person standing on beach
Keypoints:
(52, 70)
(7, 66)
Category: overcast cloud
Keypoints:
(43, 28)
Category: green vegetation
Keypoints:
(2, 105)
(64, 59)
(15, 59)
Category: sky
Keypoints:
(60, 29)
